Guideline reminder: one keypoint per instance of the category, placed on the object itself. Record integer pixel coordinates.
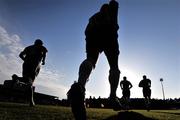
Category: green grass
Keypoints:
(15, 111)
(161, 114)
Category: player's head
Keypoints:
(14, 77)
(124, 78)
(38, 42)
(104, 8)
(144, 76)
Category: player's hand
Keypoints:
(43, 63)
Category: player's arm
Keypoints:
(121, 85)
(43, 60)
(140, 84)
(22, 55)
(44, 56)
(114, 5)
(149, 83)
(130, 85)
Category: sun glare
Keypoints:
(134, 78)
(98, 85)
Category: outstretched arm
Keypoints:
(121, 85)
(44, 56)
(43, 60)
(149, 83)
(113, 4)
(22, 55)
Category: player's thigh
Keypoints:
(92, 55)
(126, 93)
(112, 57)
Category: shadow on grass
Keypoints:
(128, 116)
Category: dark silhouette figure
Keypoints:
(101, 36)
(146, 84)
(76, 96)
(126, 86)
(29, 89)
(32, 56)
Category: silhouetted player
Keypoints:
(101, 36)
(146, 84)
(126, 86)
(33, 56)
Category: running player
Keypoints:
(146, 84)
(126, 86)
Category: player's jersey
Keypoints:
(101, 31)
(146, 83)
(125, 84)
(34, 53)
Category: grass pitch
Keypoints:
(16, 111)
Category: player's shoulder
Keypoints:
(113, 3)
(141, 81)
(122, 81)
(129, 82)
(44, 49)
(29, 47)
(95, 16)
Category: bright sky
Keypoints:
(149, 39)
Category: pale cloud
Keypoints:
(48, 81)
(9, 49)
(4, 37)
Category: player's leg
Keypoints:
(127, 99)
(149, 99)
(76, 94)
(147, 103)
(114, 74)
(29, 74)
(33, 74)
(25, 69)
(37, 70)
(30, 91)
(87, 65)
(146, 96)
(149, 96)
(31, 95)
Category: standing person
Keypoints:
(126, 86)
(33, 56)
(146, 84)
(101, 36)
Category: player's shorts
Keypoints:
(106, 45)
(30, 70)
(147, 92)
(126, 93)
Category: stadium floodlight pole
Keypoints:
(161, 80)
